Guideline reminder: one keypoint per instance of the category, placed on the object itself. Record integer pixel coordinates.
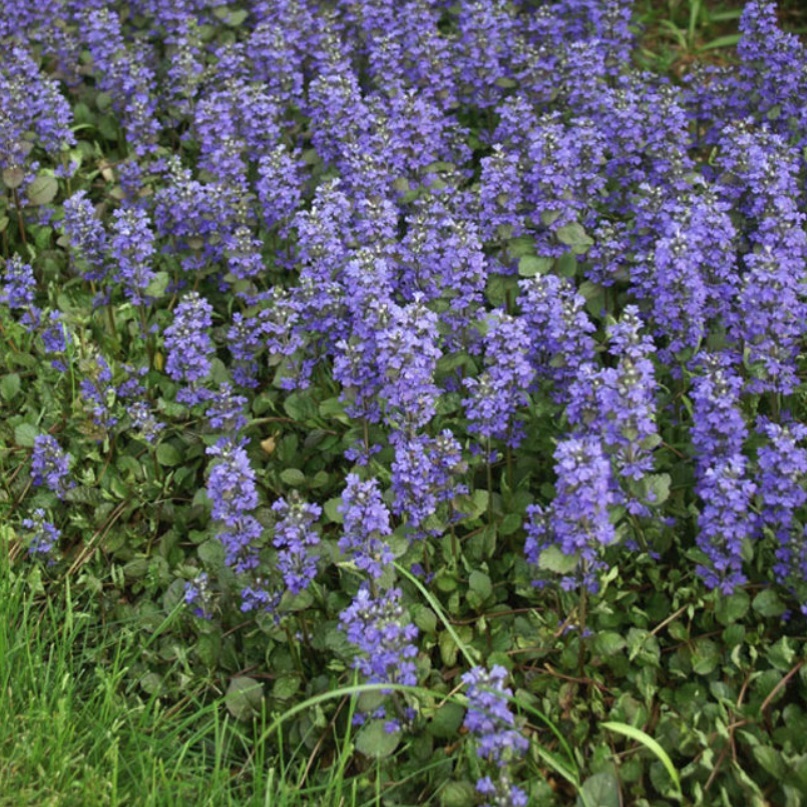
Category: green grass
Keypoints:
(677, 33)
(75, 730)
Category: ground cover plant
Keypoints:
(407, 399)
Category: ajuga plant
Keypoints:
(427, 349)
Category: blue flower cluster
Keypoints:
(493, 726)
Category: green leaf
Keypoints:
(424, 618)
(13, 177)
(457, 794)
(168, 455)
(567, 265)
(208, 648)
(244, 697)
(770, 760)
(211, 552)
(553, 559)
(480, 584)
(594, 295)
(374, 741)
(767, 603)
(705, 656)
(531, 265)
(9, 386)
(446, 721)
(333, 409)
(331, 510)
(658, 487)
(573, 235)
(136, 569)
(448, 649)
(300, 408)
(236, 18)
(732, 608)
(293, 477)
(609, 643)
(83, 494)
(42, 190)
(648, 742)
(643, 646)
(521, 246)
(159, 283)
(782, 654)
(285, 686)
(600, 790)
(25, 434)
(727, 41)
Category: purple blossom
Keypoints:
(143, 421)
(86, 235)
(279, 187)
(189, 345)
(489, 717)
(357, 365)
(19, 284)
(578, 520)
(725, 522)
(501, 389)
(424, 473)
(50, 465)
(31, 104)
(718, 428)
(366, 526)
(492, 724)
(56, 339)
(131, 251)
(501, 792)
(225, 410)
(627, 400)
(294, 539)
(444, 260)
(43, 536)
(560, 330)
(122, 70)
(199, 595)
(782, 467)
(501, 196)
(197, 217)
(258, 598)
(483, 50)
(231, 488)
(378, 626)
(771, 81)
(98, 393)
(408, 355)
(231, 483)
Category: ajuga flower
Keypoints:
(294, 540)
(492, 725)
(501, 389)
(379, 628)
(231, 488)
(189, 345)
(43, 535)
(366, 526)
(131, 251)
(50, 465)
